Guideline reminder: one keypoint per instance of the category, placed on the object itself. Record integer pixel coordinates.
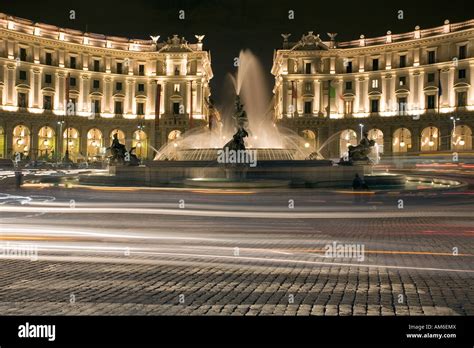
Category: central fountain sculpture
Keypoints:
(237, 143)
(283, 157)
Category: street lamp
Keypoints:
(454, 119)
(361, 129)
(58, 156)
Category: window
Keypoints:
(348, 85)
(176, 108)
(307, 86)
(462, 73)
(348, 107)
(72, 81)
(23, 75)
(118, 86)
(307, 68)
(375, 83)
(140, 109)
(308, 106)
(402, 81)
(49, 58)
(176, 70)
(430, 102)
(96, 65)
(72, 62)
(431, 57)
(119, 68)
(375, 64)
(374, 105)
(462, 52)
(403, 61)
(176, 87)
(462, 97)
(118, 108)
(431, 77)
(141, 70)
(141, 87)
(402, 105)
(349, 67)
(47, 102)
(23, 54)
(96, 106)
(96, 84)
(47, 78)
(22, 100)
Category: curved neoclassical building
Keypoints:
(412, 92)
(65, 90)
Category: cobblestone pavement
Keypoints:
(203, 265)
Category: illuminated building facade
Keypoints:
(65, 90)
(412, 92)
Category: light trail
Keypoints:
(239, 214)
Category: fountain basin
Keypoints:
(314, 173)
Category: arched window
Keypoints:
(46, 143)
(21, 140)
(462, 138)
(348, 137)
(401, 140)
(430, 139)
(140, 143)
(71, 143)
(94, 144)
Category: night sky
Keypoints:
(230, 26)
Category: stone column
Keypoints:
(129, 94)
(450, 88)
(108, 107)
(358, 93)
(35, 83)
(10, 79)
(421, 93)
(317, 97)
(84, 94)
(60, 89)
(444, 98)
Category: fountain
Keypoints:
(245, 149)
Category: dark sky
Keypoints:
(232, 25)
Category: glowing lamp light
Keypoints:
(431, 143)
(94, 143)
(139, 144)
(45, 142)
(462, 142)
(306, 145)
(20, 141)
(402, 143)
(175, 145)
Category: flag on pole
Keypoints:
(440, 89)
(158, 104)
